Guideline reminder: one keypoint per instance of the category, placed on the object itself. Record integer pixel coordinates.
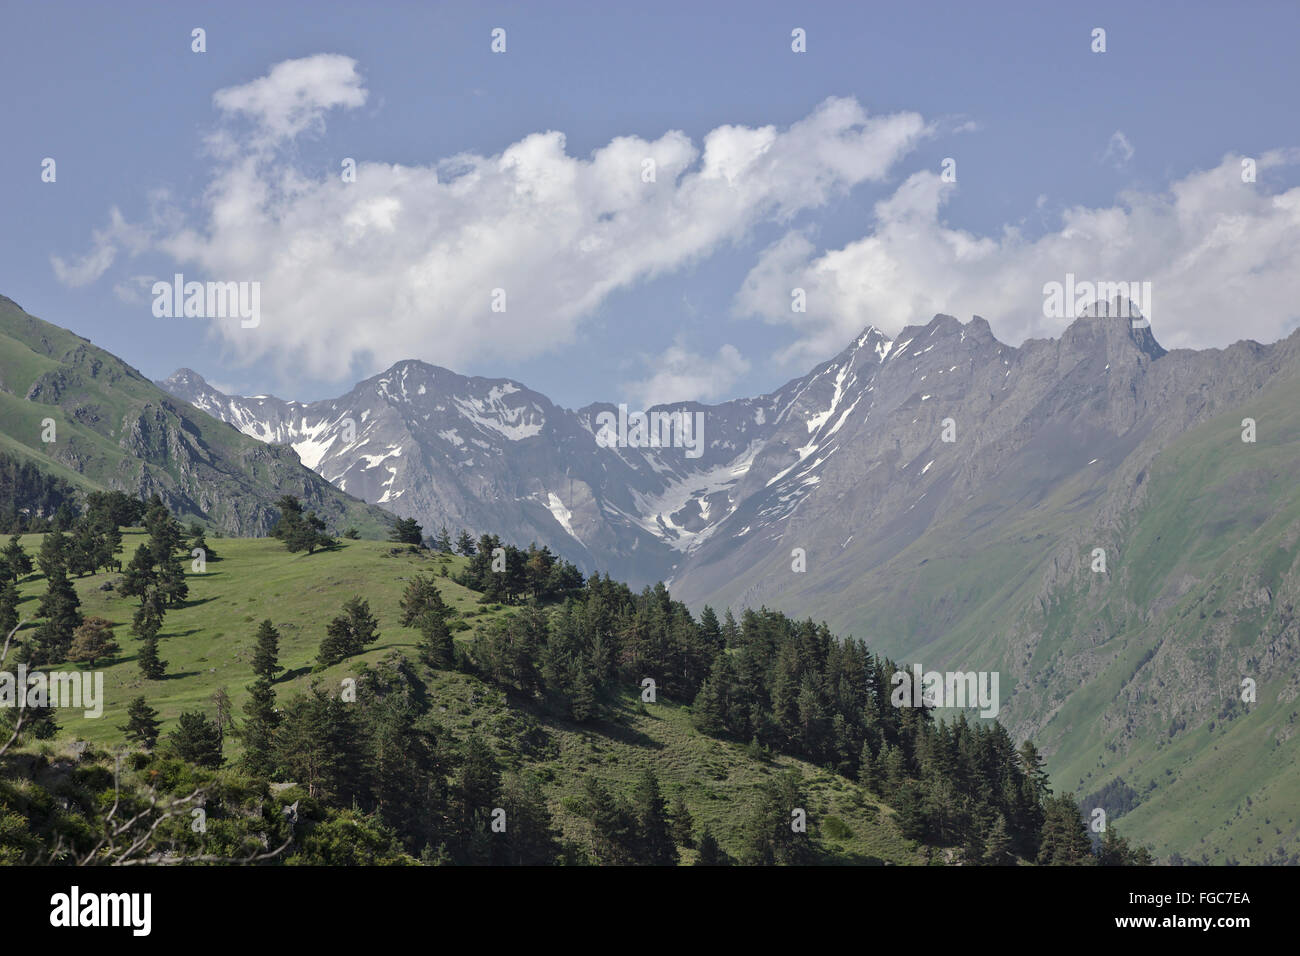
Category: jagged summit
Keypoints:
(1122, 322)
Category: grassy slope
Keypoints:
(208, 645)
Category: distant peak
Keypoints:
(1120, 320)
(186, 376)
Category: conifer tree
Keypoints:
(266, 653)
(683, 827)
(710, 853)
(8, 608)
(61, 609)
(141, 723)
(140, 574)
(18, 562)
(196, 740)
(350, 633)
(655, 843)
(465, 543)
(1065, 836)
(92, 641)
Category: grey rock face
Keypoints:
(852, 453)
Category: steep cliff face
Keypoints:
(114, 429)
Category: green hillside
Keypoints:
(1133, 678)
(208, 644)
(116, 430)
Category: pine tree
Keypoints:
(710, 854)
(53, 555)
(655, 843)
(141, 723)
(81, 548)
(92, 641)
(868, 769)
(583, 704)
(443, 541)
(406, 531)
(8, 609)
(151, 666)
(196, 740)
(997, 848)
(145, 625)
(140, 574)
(200, 543)
(420, 597)
(171, 577)
(530, 838)
(474, 794)
(266, 654)
(465, 543)
(16, 558)
(683, 825)
(771, 837)
(1065, 836)
(437, 647)
(61, 609)
(349, 633)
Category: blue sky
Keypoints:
(1120, 165)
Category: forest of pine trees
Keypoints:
(764, 680)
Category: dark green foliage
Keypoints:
(506, 574)
(266, 654)
(61, 609)
(28, 495)
(406, 531)
(299, 531)
(771, 836)
(655, 840)
(142, 723)
(1065, 836)
(465, 543)
(196, 740)
(350, 633)
(17, 562)
(8, 608)
(710, 854)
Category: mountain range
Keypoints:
(1111, 527)
(837, 496)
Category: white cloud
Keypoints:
(295, 95)
(404, 262)
(1223, 258)
(103, 251)
(680, 375)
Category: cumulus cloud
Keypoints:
(408, 261)
(679, 375)
(1223, 258)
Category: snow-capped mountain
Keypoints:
(852, 462)
(493, 455)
